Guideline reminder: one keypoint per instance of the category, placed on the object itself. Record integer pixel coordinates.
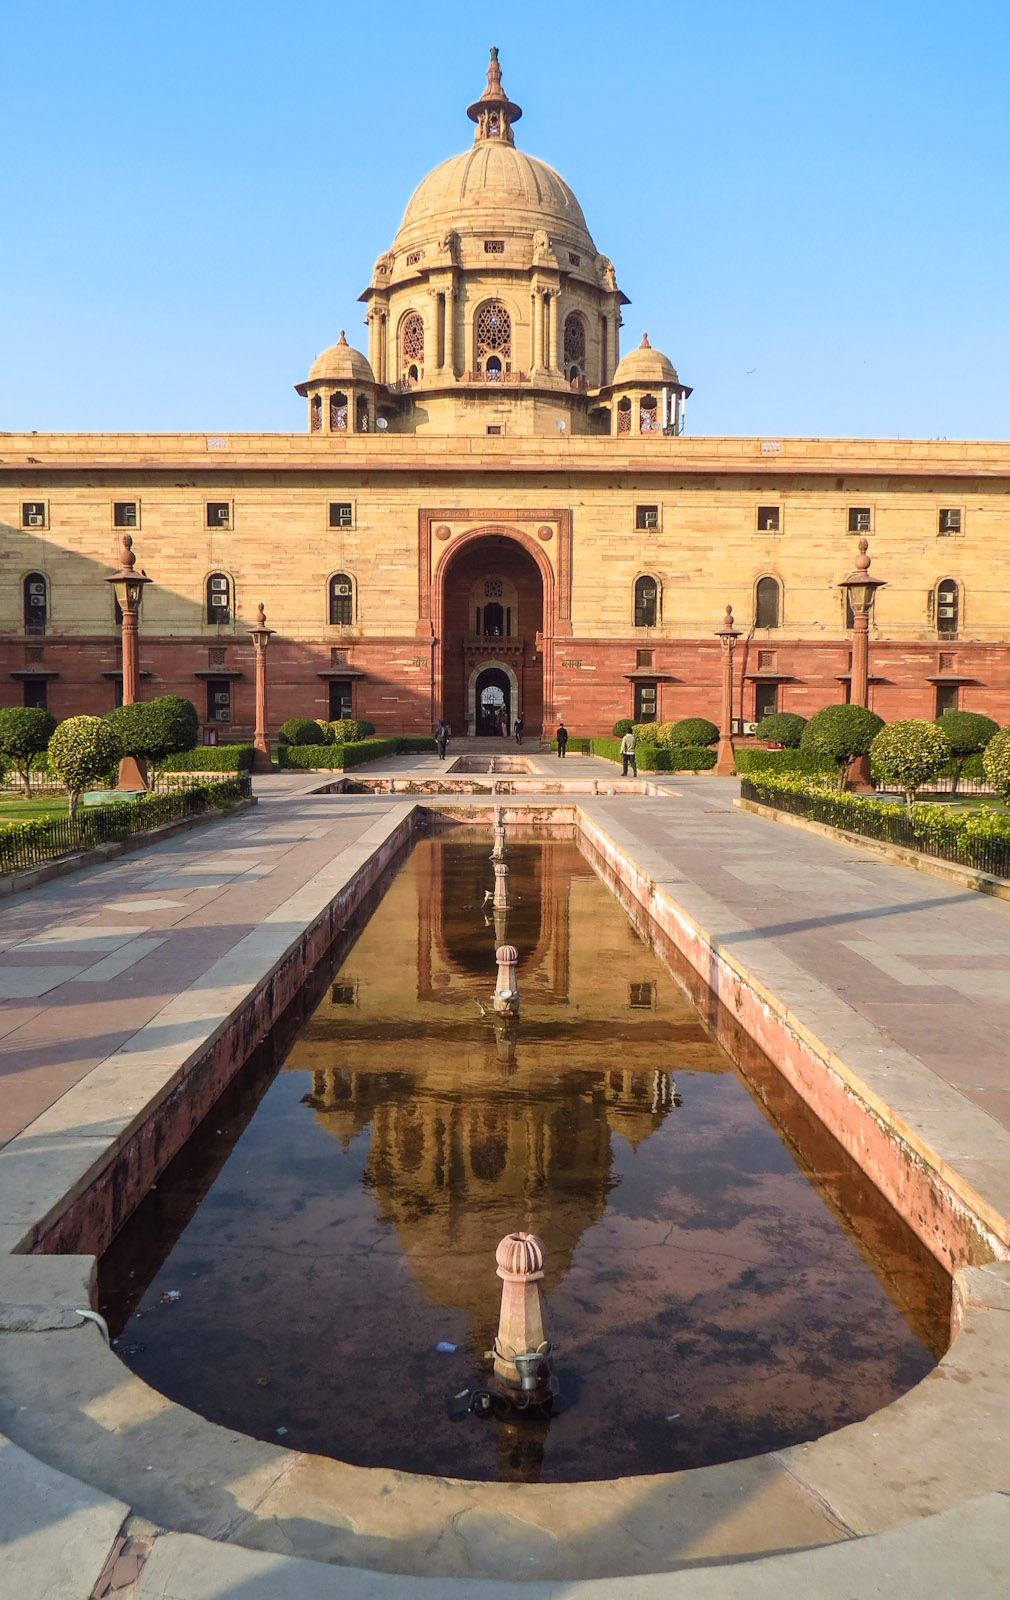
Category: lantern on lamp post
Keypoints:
(860, 589)
(261, 636)
(727, 636)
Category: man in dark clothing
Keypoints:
(441, 738)
(562, 740)
(519, 729)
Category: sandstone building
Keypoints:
(494, 511)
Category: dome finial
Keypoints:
(494, 113)
(645, 345)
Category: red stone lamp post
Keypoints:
(860, 588)
(261, 636)
(725, 759)
(129, 590)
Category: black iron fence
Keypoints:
(972, 840)
(26, 844)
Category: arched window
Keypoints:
(648, 414)
(766, 603)
(646, 602)
(316, 413)
(341, 599)
(362, 413)
(494, 342)
(624, 415)
(947, 608)
(36, 601)
(575, 348)
(494, 620)
(218, 597)
(338, 412)
(412, 346)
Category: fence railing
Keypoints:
(966, 786)
(26, 844)
(949, 838)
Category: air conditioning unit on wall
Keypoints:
(750, 727)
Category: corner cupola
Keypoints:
(494, 113)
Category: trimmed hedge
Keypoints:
(650, 757)
(210, 758)
(782, 727)
(622, 726)
(751, 758)
(331, 757)
(301, 730)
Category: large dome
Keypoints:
(493, 185)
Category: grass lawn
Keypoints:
(15, 808)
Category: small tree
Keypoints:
(907, 754)
(782, 727)
(300, 730)
(24, 732)
(694, 730)
(841, 733)
(622, 726)
(82, 750)
(967, 732)
(150, 730)
(996, 762)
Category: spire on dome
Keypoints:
(645, 345)
(494, 113)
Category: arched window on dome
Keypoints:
(338, 412)
(412, 347)
(494, 342)
(766, 603)
(316, 414)
(648, 414)
(575, 348)
(624, 415)
(646, 602)
(341, 599)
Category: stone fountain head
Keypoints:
(506, 996)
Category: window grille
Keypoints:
(494, 247)
(648, 414)
(412, 341)
(575, 346)
(494, 341)
(624, 415)
(316, 414)
(338, 412)
(414, 257)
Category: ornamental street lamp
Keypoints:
(261, 636)
(860, 589)
(727, 635)
(128, 587)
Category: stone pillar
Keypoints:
(450, 330)
(506, 995)
(520, 1266)
(552, 357)
(538, 329)
(501, 888)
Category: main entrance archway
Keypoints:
(492, 623)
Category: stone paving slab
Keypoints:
(55, 1532)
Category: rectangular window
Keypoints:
(950, 520)
(494, 427)
(859, 519)
(766, 700)
(643, 658)
(35, 693)
(646, 516)
(218, 700)
(641, 996)
(946, 698)
(769, 519)
(126, 514)
(494, 247)
(766, 660)
(340, 699)
(414, 257)
(33, 514)
(343, 994)
(645, 702)
(218, 514)
(573, 259)
(341, 514)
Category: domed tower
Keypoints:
(340, 389)
(646, 395)
(493, 311)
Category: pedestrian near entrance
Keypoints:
(628, 754)
(441, 738)
(519, 729)
(562, 740)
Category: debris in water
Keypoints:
(282, 1430)
(444, 1348)
(462, 1394)
(262, 1382)
(674, 1416)
(172, 1294)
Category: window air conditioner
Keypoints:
(219, 599)
(219, 583)
(750, 727)
(341, 588)
(223, 515)
(36, 521)
(37, 589)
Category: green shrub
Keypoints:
(996, 762)
(409, 743)
(153, 729)
(622, 726)
(210, 758)
(971, 767)
(753, 758)
(300, 730)
(648, 732)
(908, 753)
(81, 750)
(967, 733)
(310, 757)
(782, 727)
(694, 730)
(329, 757)
(609, 749)
(841, 733)
(25, 732)
(349, 730)
(365, 730)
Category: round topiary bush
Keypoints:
(907, 754)
(300, 730)
(996, 762)
(82, 751)
(349, 730)
(841, 733)
(693, 730)
(782, 727)
(25, 732)
(967, 733)
(622, 726)
(154, 729)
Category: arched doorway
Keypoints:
(492, 702)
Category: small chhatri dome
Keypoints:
(520, 1255)
(494, 113)
(342, 363)
(646, 365)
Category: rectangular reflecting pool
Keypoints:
(317, 1266)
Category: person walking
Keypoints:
(562, 740)
(519, 728)
(441, 738)
(628, 754)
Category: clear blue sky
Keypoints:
(807, 203)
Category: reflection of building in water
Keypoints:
(472, 1135)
